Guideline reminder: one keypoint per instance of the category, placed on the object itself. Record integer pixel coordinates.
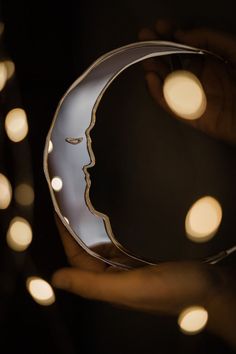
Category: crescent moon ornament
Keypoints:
(72, 153)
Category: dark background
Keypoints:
(51, 44)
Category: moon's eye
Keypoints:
(74, 141)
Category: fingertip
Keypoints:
(152, 78)
(80, 282)
(164, 26)
(146, 34)
(60, 279)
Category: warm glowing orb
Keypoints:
(16, 125)
(203, 219)
(10, 66)
(40, 290)
(184, 94)
(193, 319)
(5, 192)
(3, 75)
(19, 234)
(24, 194)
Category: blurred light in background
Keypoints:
(203, 219)
(19, 234)
(50, 146)
(5, 192)
(41, 291)
(184, 94)
(16, 125)
(57, 184)
(10, 66)
(193, 319)
(3, 75)
(24, 194)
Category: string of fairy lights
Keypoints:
(16, 182)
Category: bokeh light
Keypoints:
(57, 184)
(19, 234)
(50, 146)
(193, 319)
(10, 66)
(5, 192)
(3, 75)
(24, 194)
(184, 94)
(40, 290)
(16, 124)
(203, 219)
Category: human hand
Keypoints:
(166, 288)
(217, 77)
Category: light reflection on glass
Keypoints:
(66, 220)
(57, 184)
(50, 146)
